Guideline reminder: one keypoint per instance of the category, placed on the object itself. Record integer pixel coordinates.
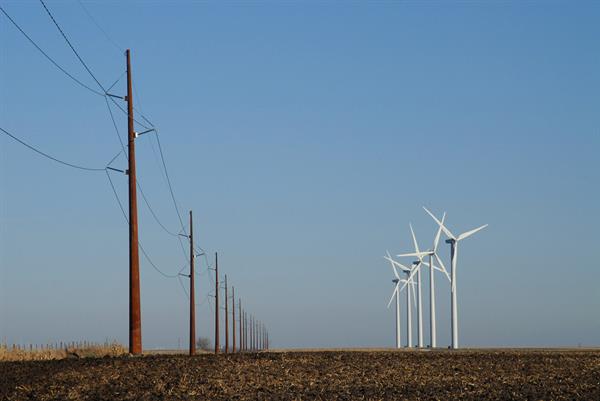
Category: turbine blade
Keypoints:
(469, 233)
(446, 231)
(438, 234)
(417, 254)
(398, 264)
(409, 278)
(392, 263)
(414, 238)
(393, 293)
(443, 267)
(434, 267)
(404, 284)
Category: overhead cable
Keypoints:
(48, 57)
(71, 46)
(48, 156)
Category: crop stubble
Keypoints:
(327, 375)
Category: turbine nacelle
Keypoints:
(451, 237)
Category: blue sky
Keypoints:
(306, 136)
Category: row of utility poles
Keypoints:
(253, 335)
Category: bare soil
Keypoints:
(322, 375)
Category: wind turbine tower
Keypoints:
(396, 294)
(432, 253)
(453, 241)
(417, 265)
(398, 345)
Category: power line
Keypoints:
(99, 27)
(154, 215)
(106, 96)
(139, 185)
(71, 46)
(139, 242)
(112, 117)
(155, 130)
(71, 76)
(125, 112)
(162, 157)
(48, 57)
(183, 287)
(118, 79)
(48, 156)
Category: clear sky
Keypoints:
(306, 136)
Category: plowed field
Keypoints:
(330, 375)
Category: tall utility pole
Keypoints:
(241, 337)
(192, 292)
(216, 303)
(226, 318)
(233, 316)
(245, 332)
(252, 334)
(135, 318)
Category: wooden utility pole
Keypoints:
(233, 316)
(135, 319)
(192, 292)
(241, 326)
(216, 303)
(245, 331)
(226, 318)
(252, 333)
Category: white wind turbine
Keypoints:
(417, 267)
(396, 281)
(432, 253)
(453, 241)
(396, 293)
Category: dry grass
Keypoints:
(334, 375)
(50, 352)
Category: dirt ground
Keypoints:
(325, 375)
